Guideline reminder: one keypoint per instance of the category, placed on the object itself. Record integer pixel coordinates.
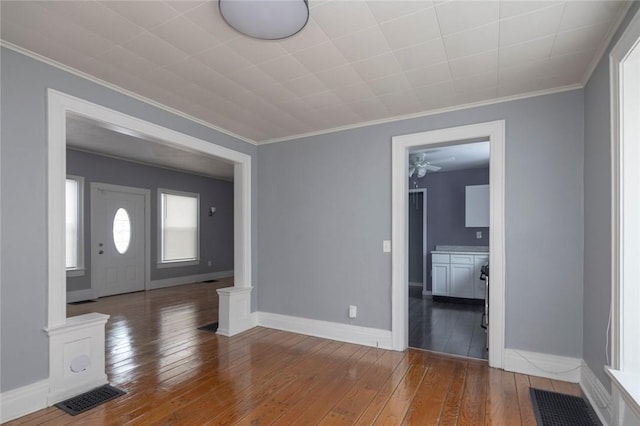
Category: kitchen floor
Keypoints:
(452, 328)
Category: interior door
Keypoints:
(117, 239)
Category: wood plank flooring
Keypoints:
(175, 374)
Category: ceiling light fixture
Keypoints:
(265, 19)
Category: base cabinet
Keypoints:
(456, 274)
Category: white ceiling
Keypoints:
(355, 62)
(457, 157)
(94, 137)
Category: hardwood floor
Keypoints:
(176, 374)
(452, 328)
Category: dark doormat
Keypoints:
(557, 409)
(210, 281)
(88, 400)
(213, 327)
(82, 302)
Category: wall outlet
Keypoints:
(479, 235)
(353, 311)
(386, 246)
(209, 263)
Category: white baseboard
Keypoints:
(328, 330)
(81, 295)
(596, 393)
(24, 400)
(543, 365)
(189, 279)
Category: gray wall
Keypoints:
(216, 232)
(446, 209)
(597, 212)
(23, 294)
(324, 209)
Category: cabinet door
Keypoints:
(462, 281)
(478, 286)
(440, 279)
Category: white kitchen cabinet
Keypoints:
(476, 206)
(456, 274)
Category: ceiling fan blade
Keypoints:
(442, 160)
(432, 168)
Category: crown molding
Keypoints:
(605, 45)
(427, 113)
(66, 68)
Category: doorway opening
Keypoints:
(402, 146)
(448, 314)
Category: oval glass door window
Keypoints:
(121, 230)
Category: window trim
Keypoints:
(80, 268)
(176, 263)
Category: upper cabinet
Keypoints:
(476, 206)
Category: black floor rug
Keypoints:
(210, 281)
(88, 400)
(213, 327)
(556, 409)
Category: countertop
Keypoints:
(461, 249)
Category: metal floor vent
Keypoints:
(88, 400)
(210, 281)
(213, 327)
(82, 302)
(557, 409)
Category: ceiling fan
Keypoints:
(419, 165)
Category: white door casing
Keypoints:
(495, 132)
(113, 272)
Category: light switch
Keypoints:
(479, 235)
(386, 246)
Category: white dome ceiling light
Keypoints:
(265, 19)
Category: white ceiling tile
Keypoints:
(475, 64)
(521, 73)
(339, 77)
(140, 12)
(320, 57)
(585, 38)
(362, 44)
(429, 75)
(284, 68)
(388, 10)
(421, 55)
(411, 29)
(253, 79)
(520, 54)
(256, 51)
(80, 40)
(476, 82)
(207, 17)
(337, 18)
(185, 35)
(305, 85)
(457, 16)
(322, 99)
(523, 28)
(435, 94)
(154, 49)
(96, 17)
(476, 95)
(389, 84)
(378, 66)
(509, 9)
(369, 108)
(183, 6)
(582, 13)
(29, 15)
(164, 78)
(311, 35)
(477, 40)
(569, 63)
(223, 59)
(127, 61)
(401, 103)
(528, 86)
(355, 92)
(194, 71)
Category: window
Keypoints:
(179, 228)
(74, 250)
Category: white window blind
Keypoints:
(179, 227)
(72, 214)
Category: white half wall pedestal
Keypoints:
(77, 359)
(234, 310)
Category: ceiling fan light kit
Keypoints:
(265, 19)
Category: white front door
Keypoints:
(117, 239)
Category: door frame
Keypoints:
(400, 148)
(97, 186)
(423, 191)
(59, 105)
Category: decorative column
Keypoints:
(234, 310)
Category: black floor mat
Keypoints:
(82, 302)
(210, 281)
(556, 409)
(213, 327)
(88, 400)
